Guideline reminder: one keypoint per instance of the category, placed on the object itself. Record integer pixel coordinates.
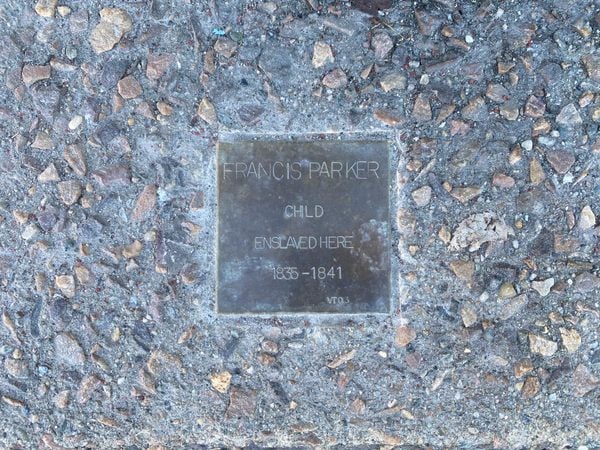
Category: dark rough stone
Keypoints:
(586, 282)
(112, 71)
(46, 98)
(371, 6)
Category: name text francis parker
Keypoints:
(296, 170)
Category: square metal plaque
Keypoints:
(303, 227)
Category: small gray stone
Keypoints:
(592, 66)
(543, 287)
(75, 157)
(586, 282)
(497, 93)
(382, 44)
(69, 191)
(422, 196)
(225, 47)
(67, 350)
(569, 116)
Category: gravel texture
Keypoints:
(109, 117)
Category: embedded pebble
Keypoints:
(129, 87)
(422, 196)
(571, 339)
(335, 79)
(541, 345)
(225, 47)
(587, 218)
(114, 23)
(66, 284)
(207, 112)
(404, 336)
(69, 191)
(382, 44)
(583, 381)
(322, 54)
(569, 115)
(32, 74)
(543, 287)
(68, 351)
(49, 174)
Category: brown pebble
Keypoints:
(510, 111)
(571, 339)
(31, 74)
(536, 172)
(542, 346)
(335, 79)
(404, 336)
(164, 108)
(583, 381)
(157, 65)
(11, 401)
(87, 387)
(587, 218)
(531, 387)
(515, 154)
(207, 112)
(145, 202)
(382, 44)
(507, 290)
(464, 194)
(114, 23)
(133, 250)
(497, 93)
(392, 81)
(242, 403)
(83, 274)
(592, 66)
(225, 47)
(341, 359)
(560, 160)
(422, 109)
(45, 8)
(503, 181)
(463, 270)
(522, 367)
(422, 196)
(388, 117)
(42, 141)
(129, 87)
(534, 107)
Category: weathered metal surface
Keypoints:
(303, 227)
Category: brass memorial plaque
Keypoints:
(303, 227)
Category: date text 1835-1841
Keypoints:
(303, 227)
